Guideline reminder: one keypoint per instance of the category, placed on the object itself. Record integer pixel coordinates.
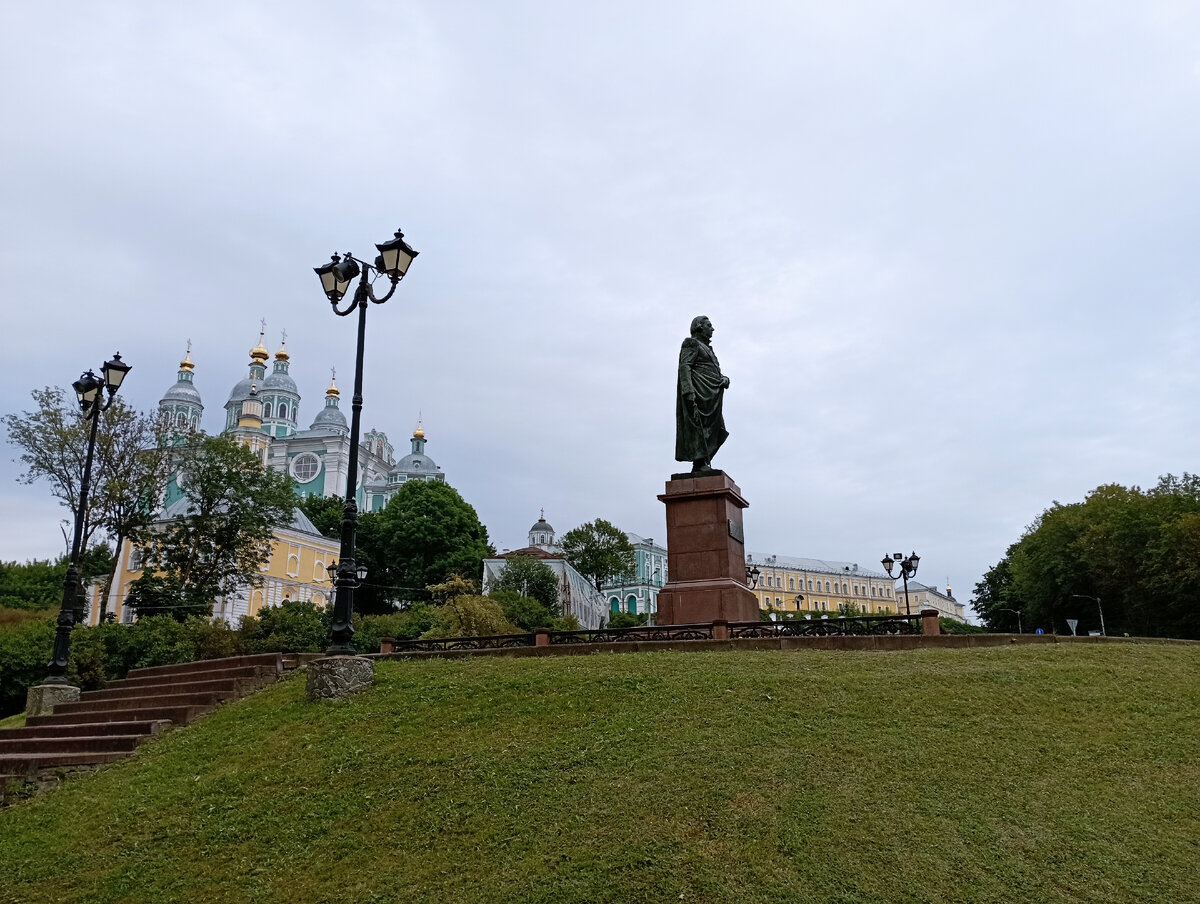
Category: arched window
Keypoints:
(827, 590)
(614, 605)
(791, 583)
(181, 419)
(267, 410)
(631, 604)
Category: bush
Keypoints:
(294, 626)
(369, 630)
(525, 612)
(954, 626)
(470, 616)
(25, 648)
(626, 620)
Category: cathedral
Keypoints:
(263, 412)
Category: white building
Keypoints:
(576, 594)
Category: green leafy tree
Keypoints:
(529, 577)
(1136, 550)
(234, 505)
(523, 611)
(129, 468)
(325, 512)
(426, 532)
(601, 551)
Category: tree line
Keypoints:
(1124, 554)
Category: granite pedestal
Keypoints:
(338, 677)
(41, 699)
(706, 552)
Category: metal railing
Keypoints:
(850, 626)
(639, 633)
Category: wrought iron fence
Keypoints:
(858, 625)
(861, 625)
(486, 642)
(641, 632)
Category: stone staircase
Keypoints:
(108, 724)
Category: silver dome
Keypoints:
(280, 382)
(182, 392)
(329, 418)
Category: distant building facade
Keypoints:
(638, 593)
(922, 597)
(577, 595)
(821, 586)
(295, 569)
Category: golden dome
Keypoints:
(259, 353)
(282, 354)
(186, 363)
(332, 390)
(419, 433)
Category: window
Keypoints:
(791, 583)
(827, 587)
(306, 466)
(631, 604)
(267, 410)
(810, 583)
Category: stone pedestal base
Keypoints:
(41, 699)
(336, 677)
(706, 552)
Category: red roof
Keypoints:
(532, 552)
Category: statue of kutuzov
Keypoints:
(699, 423)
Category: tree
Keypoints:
(601, 551)
(234, 503)
(523, 611)
(532, 578)
(426, 532)
(325, 512)
(1138, 551)
(129, 470)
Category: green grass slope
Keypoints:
(1057, 773)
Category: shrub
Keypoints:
(470, 616)
(25, 648)
(525, 612)
(294, 626)
(406, 625)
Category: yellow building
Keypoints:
(296, 569)
(789, 584)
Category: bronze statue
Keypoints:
(699, 423)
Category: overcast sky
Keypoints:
(949, 249)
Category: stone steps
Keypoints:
(108, 724)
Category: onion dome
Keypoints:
(259, 353)
(330, 417)
(183, 391)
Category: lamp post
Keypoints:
(89, 390)
(908, 568)
(752, 575)
(395, 257)
(1018, 615)
(1096, 600)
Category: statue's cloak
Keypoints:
(699, 373)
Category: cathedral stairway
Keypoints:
(108, 724)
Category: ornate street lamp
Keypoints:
(89, 391)
(395, 257)
(908, 568)
(752, 575)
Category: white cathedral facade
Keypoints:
(263, 411)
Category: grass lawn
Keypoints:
(1055, 773)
